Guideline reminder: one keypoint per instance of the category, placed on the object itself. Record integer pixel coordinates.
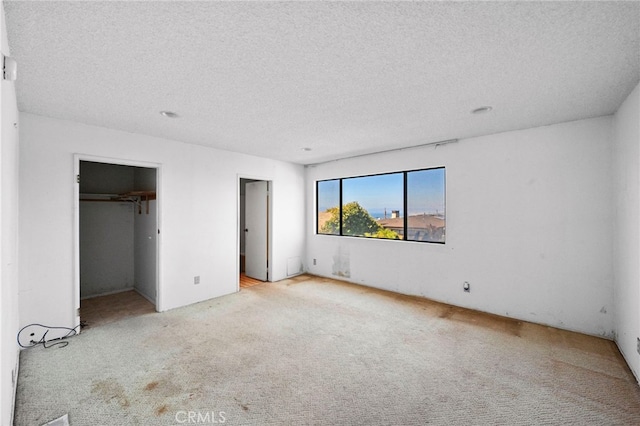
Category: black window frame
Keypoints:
(404, 204)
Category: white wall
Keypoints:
(145, 241)
(198, 213)
(146, 236)
(106, 230)
(528, 225)
(106, 247)
(627, 231)
(9, 238)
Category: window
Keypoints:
(400, 206)
(425, 204)
(328, 203)
(369, 200)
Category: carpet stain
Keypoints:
(446, 313)
(497, 323)
(194, 395)
(151, 386)
(245, 407)
(161, 410)
(109, 390)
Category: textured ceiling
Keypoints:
(341, 78)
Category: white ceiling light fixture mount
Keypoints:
(482, 110)
(169, 114)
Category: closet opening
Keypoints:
(254, 234)
(117, 241)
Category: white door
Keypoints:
(256, 235)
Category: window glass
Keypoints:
(404, 206)
(426, 205)
(328, 193)
(372, 206)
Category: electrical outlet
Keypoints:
(314, 262)
(196, 279)
(466, 287)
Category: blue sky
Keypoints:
(328, 194)
(375, 193)
(426, 191)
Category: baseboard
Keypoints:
(636, 375)
(516, 318)
(146, 297)
(297, 274)
(15, 385)
(122, 290)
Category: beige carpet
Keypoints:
(314, 351)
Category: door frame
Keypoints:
(269, 224)
(77, 158)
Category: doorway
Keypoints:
(254, 234)
(117, 241)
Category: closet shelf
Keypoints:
(137, 197)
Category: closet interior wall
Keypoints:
(117, 237)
